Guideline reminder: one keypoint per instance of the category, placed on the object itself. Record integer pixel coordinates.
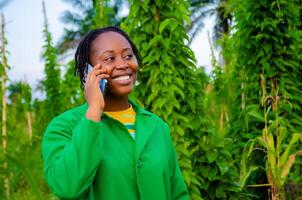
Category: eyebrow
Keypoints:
(126, 49)
(108, 51)
(111, 51)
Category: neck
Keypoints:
(113, 103)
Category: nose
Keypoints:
(121, 64)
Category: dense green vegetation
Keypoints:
(237, 131)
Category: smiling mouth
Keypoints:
(122, 78)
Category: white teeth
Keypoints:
(122, 78)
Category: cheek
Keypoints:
(109, 70)
(133, 65)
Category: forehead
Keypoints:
(109, 41)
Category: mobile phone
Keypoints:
(103, 82)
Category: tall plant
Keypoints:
(267, 49)
(51, 83)
(71, 89)
(4, 67)
(20, 106)
(168, 82)
(216, 157)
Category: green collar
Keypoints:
(138, 108)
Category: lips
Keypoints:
(121, 78)
(121, 82)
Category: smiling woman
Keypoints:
(110, 148)
(114, 53)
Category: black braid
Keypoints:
(83, 50)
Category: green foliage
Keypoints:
(4, 66)
(20, 95)
(266, 47)
(23, 152)
(52, 82)
(70, 87)
(106, 13)
(3, 174)
(237, 132)
(25, 166)
(169, 83)
(96, 13)
(216, 157)
(21, 161)
(171, 86)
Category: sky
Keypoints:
(24, 32)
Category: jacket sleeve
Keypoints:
(71, 155)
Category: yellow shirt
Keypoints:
(126, 117)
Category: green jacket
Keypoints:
(84, 159)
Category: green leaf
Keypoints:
(289, 163)
(155, 40)
(220, 193)
(223, 167)
(211, 156)
(293, 141)
(163, 24)
(256, 115)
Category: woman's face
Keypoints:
(114, 52)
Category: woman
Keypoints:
(110, 148)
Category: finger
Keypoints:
(97, 66)
(99, 71)
(101, 76)
(91, 74)
(97, 80)
(92, 68)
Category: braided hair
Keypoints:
(83, 50)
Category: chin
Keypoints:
(120, 92)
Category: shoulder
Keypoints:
(154, 120)
(158, 120)
(158, 127)
(69, 118)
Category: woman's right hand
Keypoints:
(93, 94)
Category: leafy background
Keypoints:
(237, 130)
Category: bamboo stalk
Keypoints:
(4, 120)
(29, 125)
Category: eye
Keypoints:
(109, 58)
(128, 57)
